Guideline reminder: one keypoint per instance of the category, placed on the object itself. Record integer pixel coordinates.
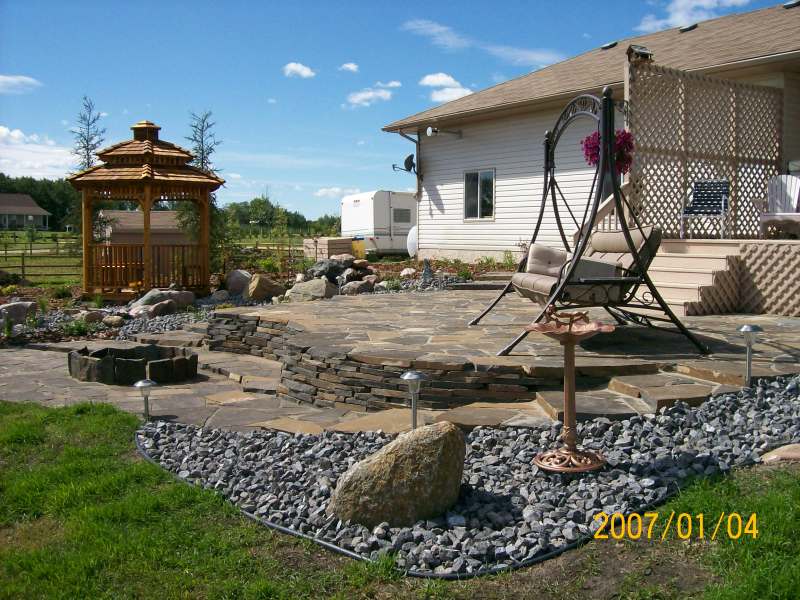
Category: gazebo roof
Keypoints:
(145, 158)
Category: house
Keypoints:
(480, 158)
(127, 227)
(20, 211)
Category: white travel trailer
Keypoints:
(381, 218)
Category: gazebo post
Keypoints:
(204, 236)
(86, 235)
(147, 249)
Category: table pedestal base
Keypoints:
(564, 460)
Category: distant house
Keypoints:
(127, 227)
(20, 211)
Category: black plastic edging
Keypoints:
(410, 573)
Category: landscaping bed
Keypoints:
(509, 514)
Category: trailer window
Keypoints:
(479, 194)
(401, 215)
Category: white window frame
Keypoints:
(479, 218)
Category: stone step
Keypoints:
(179, 337)
(682, 275)
(478, 285)
(678, 292)
(592, 404)
(662, 390)
(198, 327)
(504, 276)
(710, 262)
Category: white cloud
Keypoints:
(125, 111)
(448, 87)
(447, 94)
(64, 122)
(439, 35)
(360, 143)
(271, 101)
(103, 114)
(349, 66)
(585, 36)
(234, 175)
(368, 96)
(32, 155)
(439, 80)
(295, 69)
(335, 192)
(686, 12)
(18, 84)
(449, 39)
(389, 84)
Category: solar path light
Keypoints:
(414, 379)
(750, 334)
(144, 386)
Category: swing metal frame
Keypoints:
(635, 288)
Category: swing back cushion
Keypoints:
(606, 256)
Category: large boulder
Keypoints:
(328, 268)
(360, 263)
(166, 307)
(350, 274)
(220, 296)
(357, 287)
(92, 316)
(262, 287)
(236, 281)
(180, 297)
(17, 312)
(417, 476)
(316, 289)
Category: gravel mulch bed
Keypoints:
(509, 512)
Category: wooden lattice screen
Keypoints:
(688, 127)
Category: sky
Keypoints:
(299, 90)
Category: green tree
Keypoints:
(88, 134)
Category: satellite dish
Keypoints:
(431, 131)
(408, 165)
(412, 242)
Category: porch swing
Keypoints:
(607, 268)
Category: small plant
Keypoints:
(464, 272)
(224, 305)
(75, 328)
(509, 262)
(486, 263)
(60, 292)
(269, 265)
(44, 304)
(97, 301)
(8, 290)
(393, 285)
(8, 327)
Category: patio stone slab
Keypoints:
(468, 417)
(229, 397)
(632, 385)
(394, 420)
(659, 397)
(588, 405)
(730, 373)
(290, 425)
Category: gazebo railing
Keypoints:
(121, 266)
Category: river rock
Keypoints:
(408, 273)
(350, 274)
(236, 281)
(262, 287)
(345, 259)
(328, 268)
(373, 279)
(167, 307)
(92, 316)
(316, 289)
(357, 287)
(17, 312)
(113, 321)
(416, 476)
(360, 263)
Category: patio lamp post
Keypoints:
(414, 379)
(144, 386)
(750, 334)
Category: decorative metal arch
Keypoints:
(601, 110)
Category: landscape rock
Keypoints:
(408, 273)
(350, 275)
(154, 296)
(17, 312)
(92, 316)
(262, 287)
(357, 287)
(345, 259)
(220, 296)
(328, 268)
(237, 281)
(299, 278)
(373, 279)
(381, 286)
(416, 476)
(166, 307)
(787, 453)
(113, 321)
(316, 289)
(360, 263)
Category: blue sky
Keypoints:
(299, 90)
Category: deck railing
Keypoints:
(122, 266)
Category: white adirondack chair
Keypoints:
(782, 212)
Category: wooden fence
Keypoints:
(689, 127)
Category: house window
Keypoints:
(401, 215)
(479, 194)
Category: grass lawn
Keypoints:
(82, 516)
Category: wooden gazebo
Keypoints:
(144, 170)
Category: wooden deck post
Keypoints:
(147, 249)
(86, 235)
(205, 229)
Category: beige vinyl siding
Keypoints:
(513, 148)
(791, 117)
